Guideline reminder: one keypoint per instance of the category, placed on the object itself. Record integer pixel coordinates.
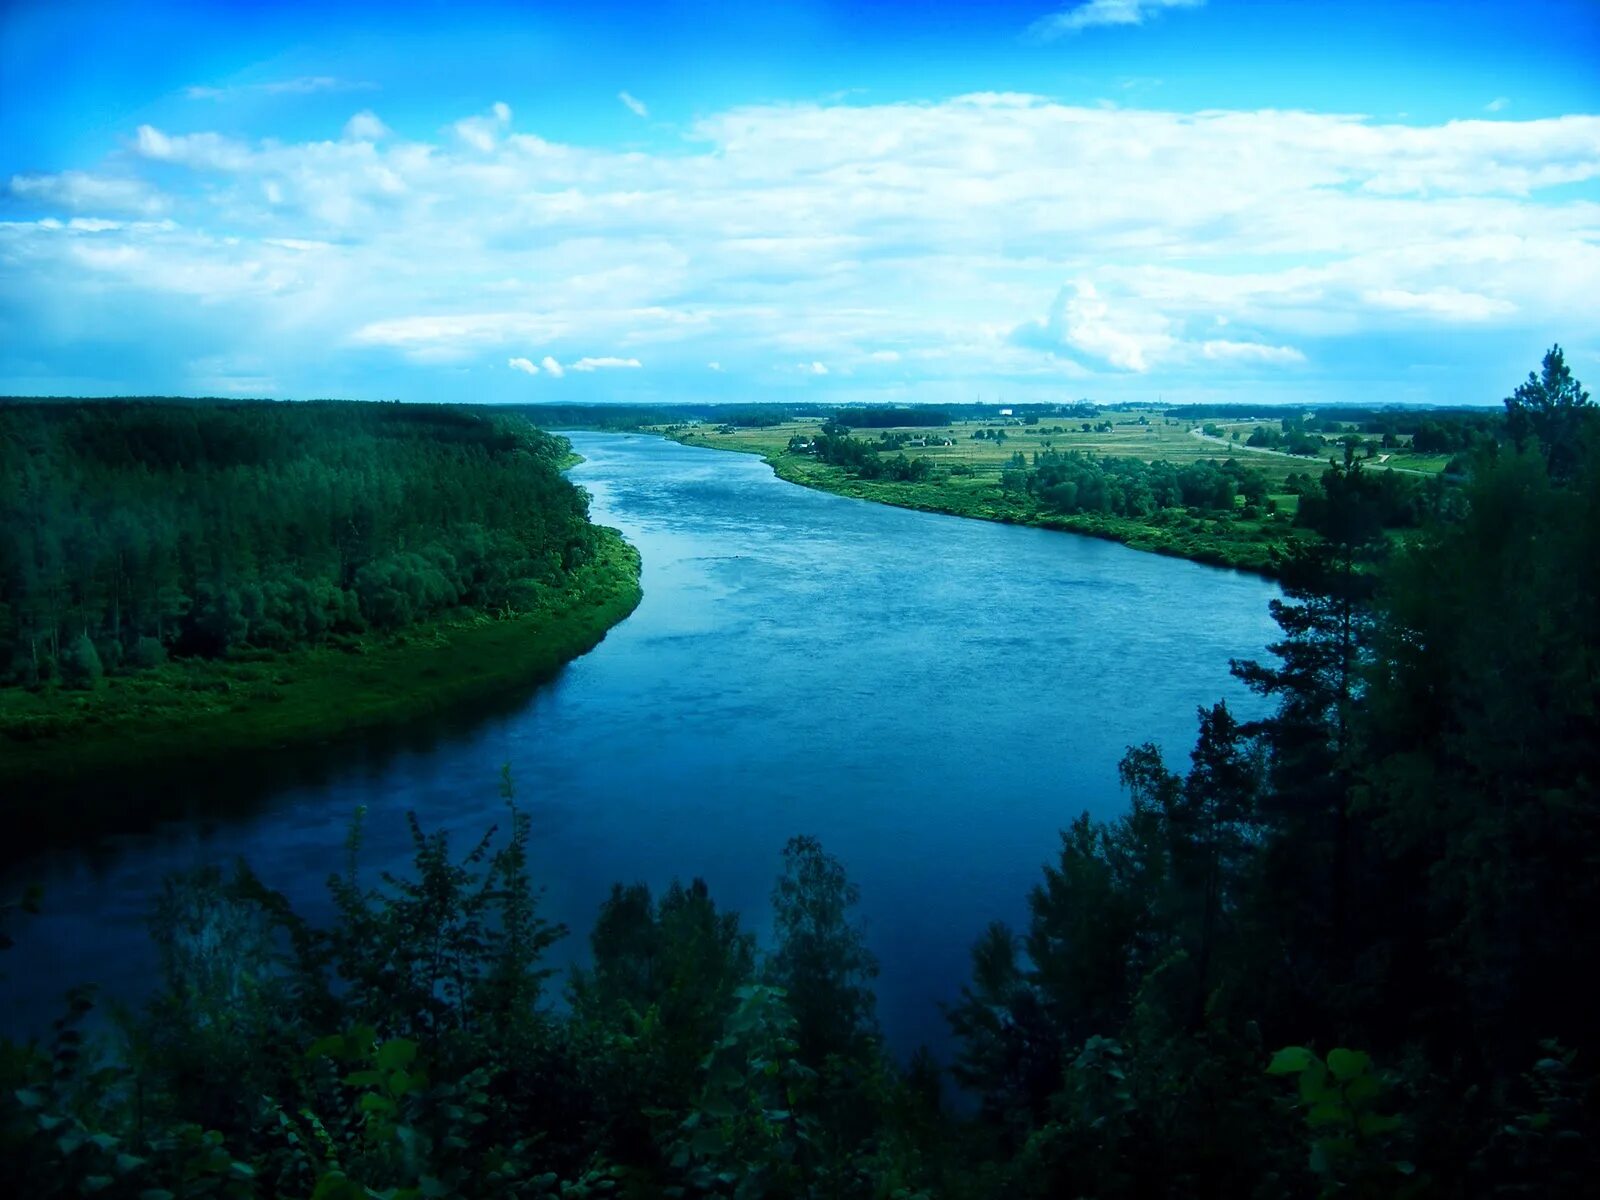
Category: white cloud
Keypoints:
(960, 233)
(1496, 105)
(1251, 352)
(714, 366)
(1445, 304)
(1092, 13)
(555, 369)
(603, 364)
(365, 127)
(303, 85)
(1128, 341)
(482, 133)
(815, 368)
(80, 190)
(465, 329)
(525, 365)
(634, 105)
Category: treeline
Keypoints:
(912, 417)
(134, 531)
(865, 459)
(1074, 482)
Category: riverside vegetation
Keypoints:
(184, 580)
(1149, 477)
(1341, 954)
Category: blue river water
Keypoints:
(934, 698)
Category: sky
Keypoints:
(799, 200)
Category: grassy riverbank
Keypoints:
(967, 483)
(197, 712)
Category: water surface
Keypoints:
(932, 697)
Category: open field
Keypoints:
(968, 469)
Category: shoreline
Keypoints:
(192, 715)
(1174, 536)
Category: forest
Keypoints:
(1340, 952)
(131, 532)
(183, 581)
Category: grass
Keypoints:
(194, 713)
(1228, 541)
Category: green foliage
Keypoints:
(1353, 1145)
(1401, 857)
(820, 958)
(1553, 411)
(80, 665)
(211, 529)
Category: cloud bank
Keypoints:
(915, 251)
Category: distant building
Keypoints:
(1005, 412)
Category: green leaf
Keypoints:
(1291, 1060)
(1348, 1064)
(155, 1194)
(1362, 1089)
(402, 1082)
(29, 1098)
(363, 1079)
(96, 1183)
(396, 1054)
(331, 1046)
(1327, 1114)
(1374, 1123)
(372, 1102)
(129, 1162)
(334, 1186)
(1313, 1083)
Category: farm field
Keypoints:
(970, 457)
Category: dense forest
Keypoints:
(130, 532)
(1342, 952)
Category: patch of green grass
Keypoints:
(192, 711)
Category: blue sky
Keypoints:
(1118, 199)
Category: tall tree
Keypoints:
(1551, 408)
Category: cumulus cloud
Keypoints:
(1092, 13)
(525, 365)
(714, 366)
(958, 232)
(633, 104)
(555, 369)
(604, 364)
(483, 132)
(365, 127)
(1496, 105)
(80, 190)
(815, 368)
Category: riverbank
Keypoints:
(1235, 542)
(199, 713)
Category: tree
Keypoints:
(1551, 408)
(81, 667)
(821, 958)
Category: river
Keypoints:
(933, 697)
